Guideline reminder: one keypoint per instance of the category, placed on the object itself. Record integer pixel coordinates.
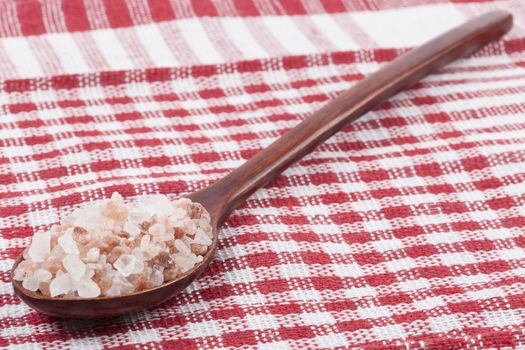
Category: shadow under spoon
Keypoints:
(225, 195)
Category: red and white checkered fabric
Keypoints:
(403, 231)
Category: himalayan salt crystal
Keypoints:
(177, 214)
(204, 226)
(92, 255)
(144, 242)
(139, 216)
(128, 264)
(68, 244)
(157, 230)
(120, 286)
(188, 226)
(139, 266)
(153, 250)
(88, 275)
(95, 266)
(122, 234)
(202, 238)
(53, 237)
(159, 205)
(116, 252)
(109, 242)
(196, 210)
(43, 275)
(102, 280)
(80, 235)
(24, 270)
(138, 253)
(182, 247)
(183, 203)
(171, 273)
(143, 283)
(115, 208)
(74, 266)
(87, 288)
(44, 288)
(33, 283)
(178, 232)
(164, 260)
(111, 248)
(171, 246)
(56, 251)
(52, 264)
(40, 246)
(132, 229)
(133, 243)
(185, 262)
(157, 277)
(62, 284)
(198, 249)
(91, 219)
(164, 238)
(144, 226)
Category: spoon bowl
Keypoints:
(225, 195)
(102, 307)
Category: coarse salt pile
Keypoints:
(111, 249)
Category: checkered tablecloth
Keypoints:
(404, 231)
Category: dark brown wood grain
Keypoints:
(225, 195)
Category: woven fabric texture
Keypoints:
(403, 231)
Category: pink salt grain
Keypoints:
(171, 273)
(116, 253)
(111, 248)
(163, 259)
(81, 236)
(199, 249)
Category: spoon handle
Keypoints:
(226, 194)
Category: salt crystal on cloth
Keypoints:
(403, 231)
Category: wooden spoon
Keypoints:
(225, 195)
